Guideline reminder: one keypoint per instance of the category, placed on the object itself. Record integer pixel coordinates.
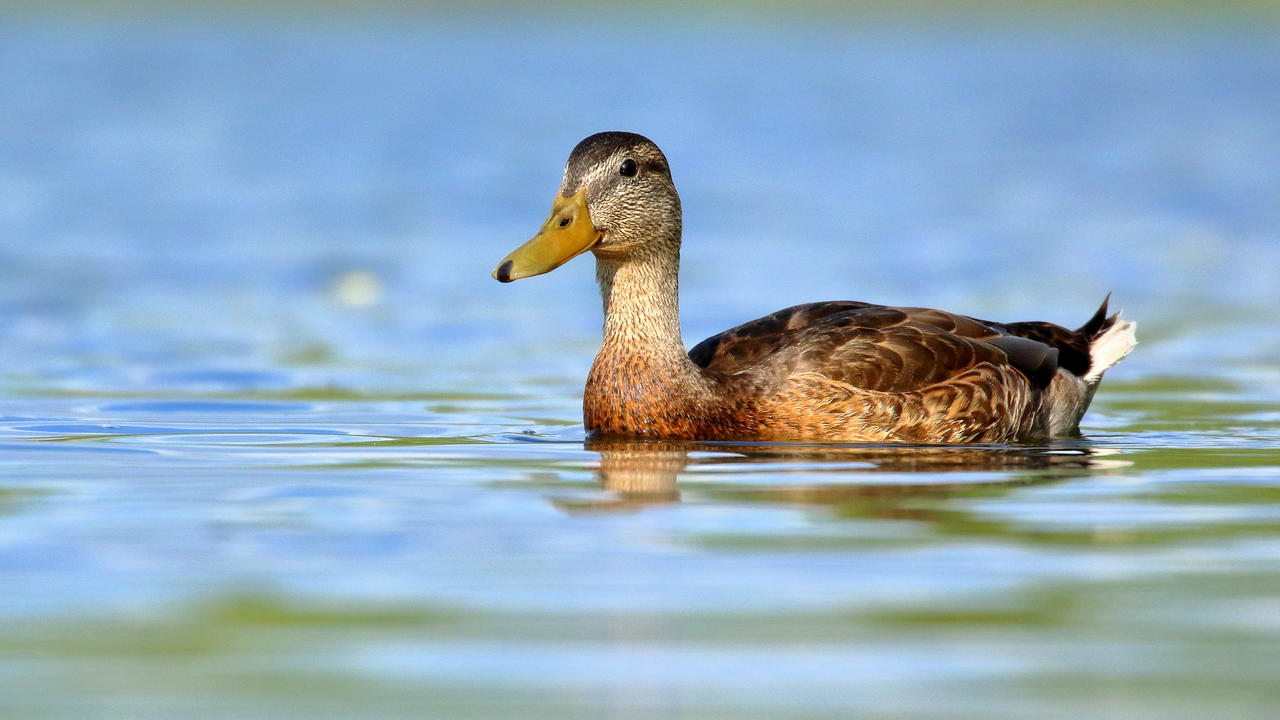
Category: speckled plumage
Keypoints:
(842, 371)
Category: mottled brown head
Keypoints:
(616, 199)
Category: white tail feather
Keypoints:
(1110, 348)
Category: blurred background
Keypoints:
(276, 445)
(239, 185)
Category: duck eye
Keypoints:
(628, 168)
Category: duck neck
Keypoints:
(641, 309)
(642, 382)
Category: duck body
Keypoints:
(855, 372)
(830, 371)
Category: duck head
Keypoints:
(616, 200)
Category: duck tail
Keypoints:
(1110, 340)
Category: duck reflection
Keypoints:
(641, 473)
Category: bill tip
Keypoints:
(503, 273)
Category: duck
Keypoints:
(834, 371)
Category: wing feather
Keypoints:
(888, 349)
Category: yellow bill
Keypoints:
(568, 232)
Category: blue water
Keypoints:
(273, 443)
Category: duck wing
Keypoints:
(875, 347)
(746, 345)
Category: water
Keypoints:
(273, 444)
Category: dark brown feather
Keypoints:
(747, 344)
(1072, 345)
(887, 349)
